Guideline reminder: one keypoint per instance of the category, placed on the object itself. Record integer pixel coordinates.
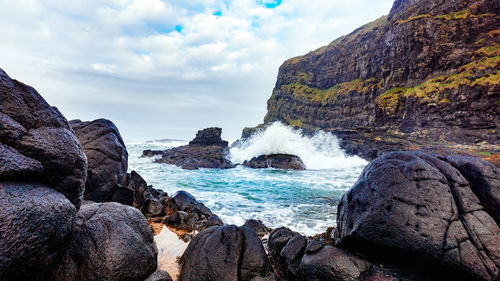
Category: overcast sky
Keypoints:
(164, 69)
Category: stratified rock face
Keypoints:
(209, 136)
(107, 158)
(427, 210)
(37, 143)
(35, 224)
(278, 161)
(426, 73)
(206, 150)
(225, 253)
(111, 242)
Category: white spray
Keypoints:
(321, 151)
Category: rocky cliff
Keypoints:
(426, 75)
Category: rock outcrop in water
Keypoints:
(206, 150)
(107, 158)
(278, 161)
(437, 215)
(424, 77)
(42, 180)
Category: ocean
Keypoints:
(305, 201)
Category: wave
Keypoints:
(318, 152)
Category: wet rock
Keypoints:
(159, 275)
(37, 143)
(214, 220)
(208, 137)
(420, 209)
(35, 225)
(258, 227)
(207, 150)
(107, 158)
(111, 242)
(151, 153)
(278, 239)
(225, 253)
(278, 161)
(186, 213)
(146, 198)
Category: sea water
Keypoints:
(305, 201)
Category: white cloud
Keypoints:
(125, 60)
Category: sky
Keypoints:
(165, 69)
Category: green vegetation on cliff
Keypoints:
(463, 14)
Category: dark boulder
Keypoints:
(37, 143)
(147, 199)
(151, 153)
(425, 211)
(258, 227)
(186, 213)
(106, 155)
(227, 253)
(278, 161)
(208, 137)
(159, 275)
(111, 242)
(207, 150)
(35, 225)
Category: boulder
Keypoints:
(186, 213)
(111, 242)
(146, 198)
(159, 275)
(206, 150)
(107, 158)
(227, 253)
(208, 137)
(426, 211)
(278, 161)
(37, 143)
(299, 258)
(35, 225)
(151, 153)
(257, 226)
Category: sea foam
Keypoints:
(320, 151)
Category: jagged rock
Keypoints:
(186, 213)
(258, 227)
(225, 253)
(37, 143)
(207, 150)
(35, 224)
(111, 242)
(278, 161)
(107, 158)
(304, 259)
(146, 198)
(419, 209)
(159, 275)
(208, 137)
(422, 75)
(151, 153)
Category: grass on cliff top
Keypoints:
(302, 91)
(463, 14)
(434, 91)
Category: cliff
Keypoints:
(425, 76)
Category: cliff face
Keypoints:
(428, 73)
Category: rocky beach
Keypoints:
(378, 160)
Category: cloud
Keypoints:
(167, 68)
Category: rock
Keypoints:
(111, 242)
(225, 253)
(151, 153)
(278, 161)
(416, 77)
(107, 158)
(209, 137)
(35, 225)
(258, 227)
(299, 258)
(159, 275)
(186, 213)
(37, 143)
(207, 150)
(420, 210)
(146, 198)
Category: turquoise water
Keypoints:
(305, 201)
